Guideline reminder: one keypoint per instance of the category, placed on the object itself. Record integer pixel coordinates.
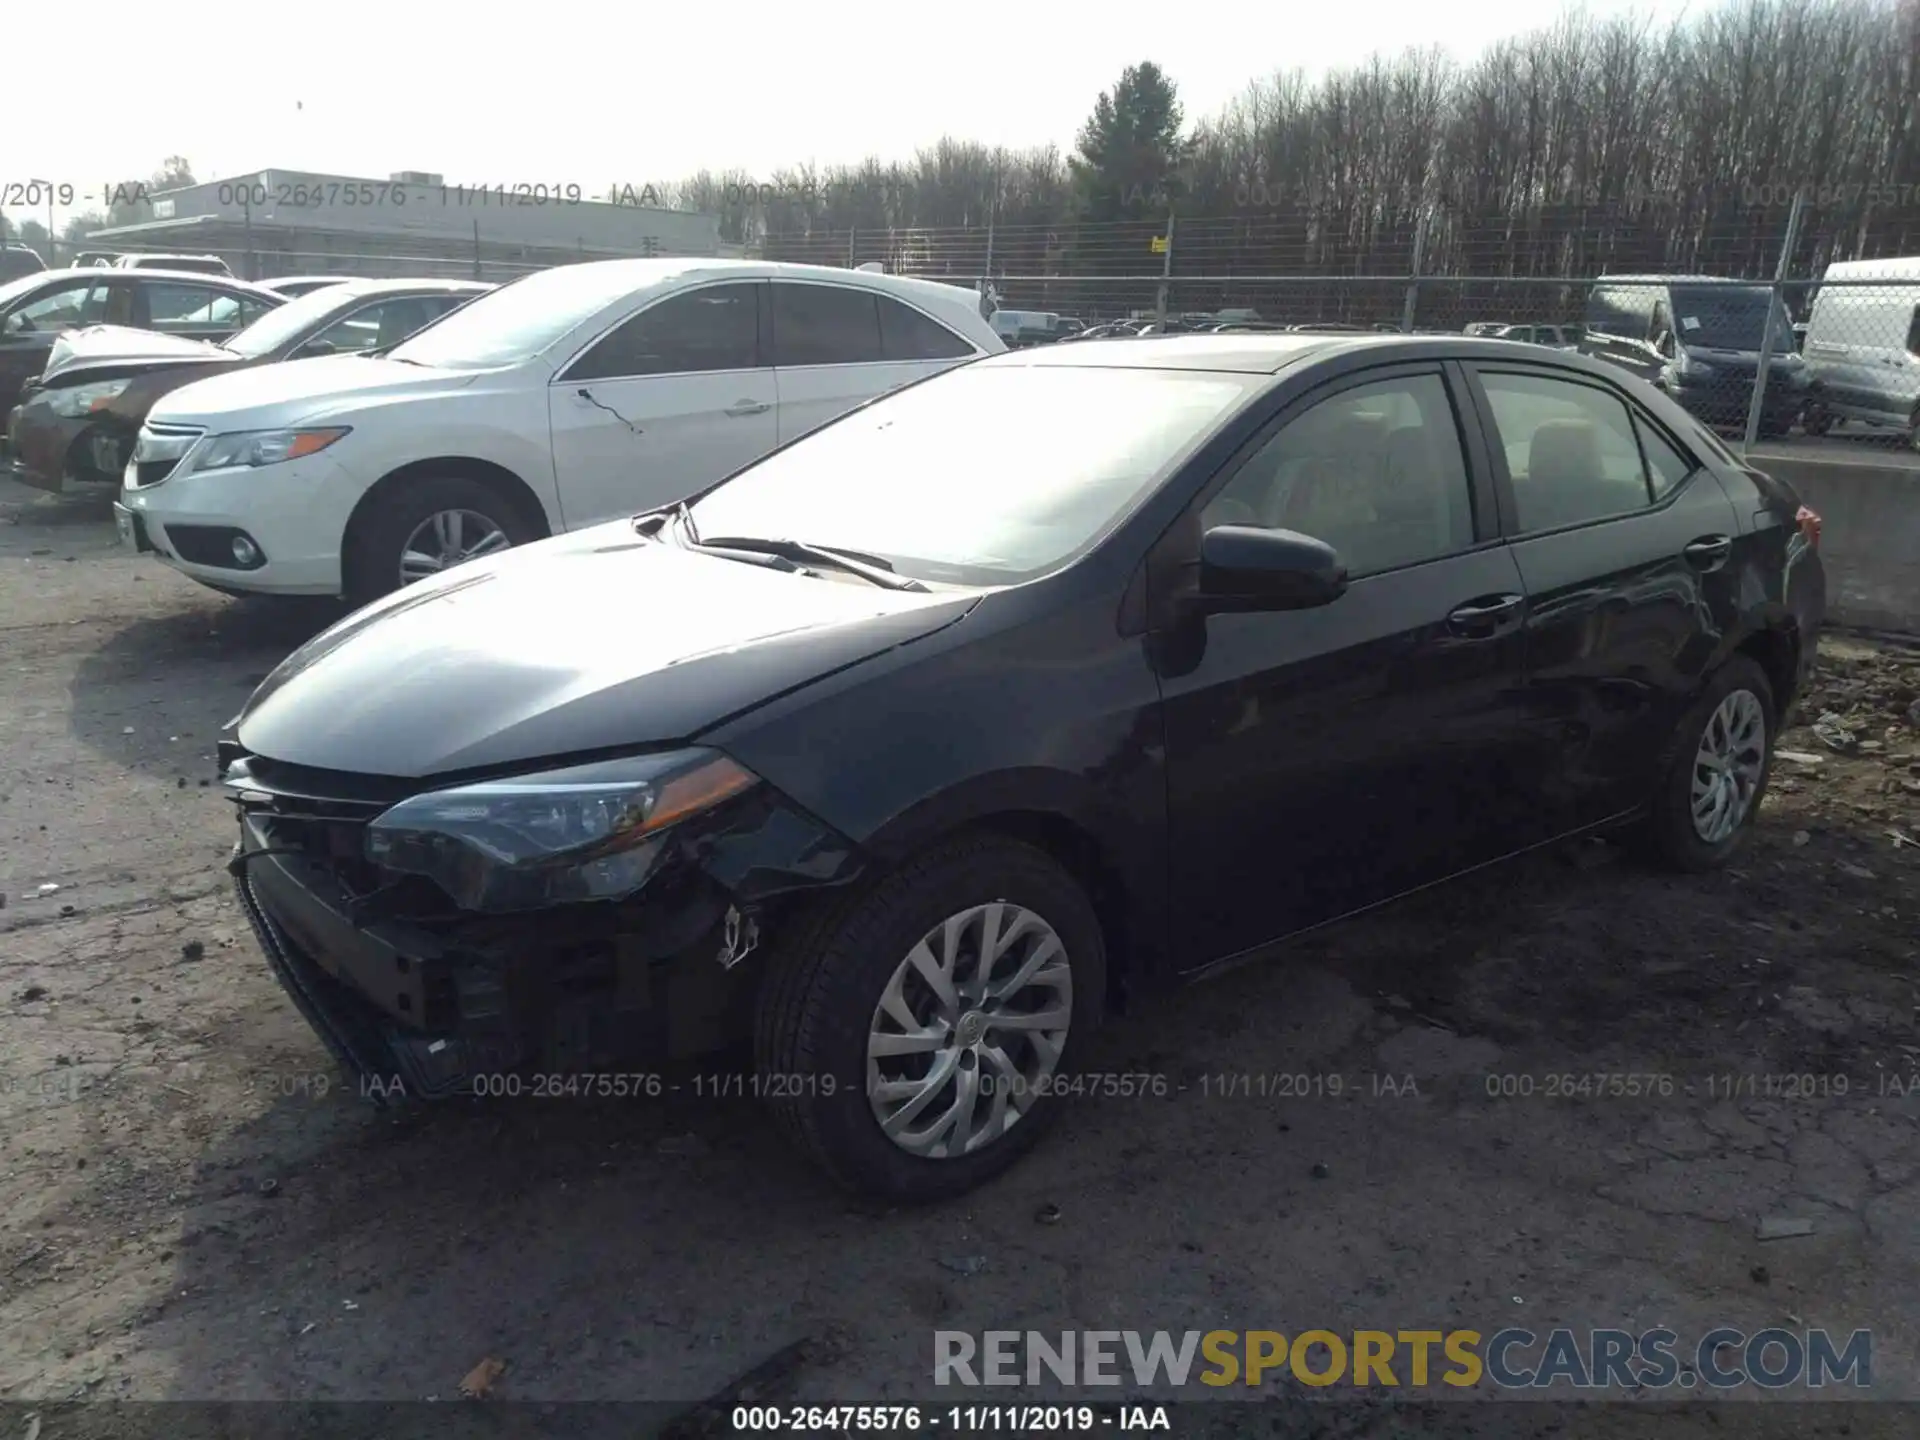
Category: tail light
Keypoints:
(1808, 521)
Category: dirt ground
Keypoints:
(194, 1208)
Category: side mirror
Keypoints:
(313, 348)
(1247, 567)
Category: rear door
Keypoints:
(838, 346)
(1623, 541)
(663, 404)
(1321, 760)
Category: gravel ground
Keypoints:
(195, 1209)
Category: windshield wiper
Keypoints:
(652, 522)
(870, 568)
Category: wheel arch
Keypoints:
(1774, 645)
(1067, 820)
(495, 476)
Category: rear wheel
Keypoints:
(421, 528)
(916, 1038)
(1715, 771)
(1816, 421)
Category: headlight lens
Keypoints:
(81, 400)
(589, 832)
(264, 447)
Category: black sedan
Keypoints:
(911, 752)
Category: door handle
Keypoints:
(748, 407)
(1709, 552)
(1481, 619)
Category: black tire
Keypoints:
(825, 976)
(371, 566)
(1816, 421)
(1667, 836)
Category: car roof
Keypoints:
(402, 287)
(638, 273)
(198, 277)
(1727, 280)
(1892, 268)
(1261, 353)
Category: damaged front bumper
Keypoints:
(60, 453)
(428, 1005)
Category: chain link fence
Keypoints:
(483, 260)
(1763, 324)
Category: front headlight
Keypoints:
(81, 400)
(589, 832)
(264, 447)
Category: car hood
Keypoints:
(267, 396)
(591, 641)
(124, 348)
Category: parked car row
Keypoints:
(37, 308)
(908, 728)
(77, 423)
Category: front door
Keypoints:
(1320, 760)
(1623, 540)
(670, 400)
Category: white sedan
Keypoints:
(571, 396)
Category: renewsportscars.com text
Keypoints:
(1512, 1358)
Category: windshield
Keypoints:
(1726, 318)
(519, 320)
(15, 289)
(285, 322)
(985, 476)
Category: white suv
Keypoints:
(571, 396)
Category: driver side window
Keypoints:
(716, 327)
(1376, 471)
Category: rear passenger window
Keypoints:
(177, 307)
(825, 325)
(1913, 332)
(906, 334)
(1570, 450)
(1666, 466)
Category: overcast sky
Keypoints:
(591, 94)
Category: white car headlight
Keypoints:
(79, 400)
(264, 447)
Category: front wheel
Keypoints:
(1715, 771)
(916, 1038)
(423, 527)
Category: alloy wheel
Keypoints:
(969, 1030)
(447, 538)
(1728, 765)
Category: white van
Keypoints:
(1863, 347)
